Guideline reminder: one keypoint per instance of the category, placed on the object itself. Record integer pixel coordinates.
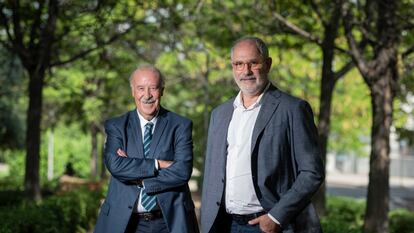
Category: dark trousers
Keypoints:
(224, 223)
(141, 225)
(244, 228)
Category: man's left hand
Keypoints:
(266, 224)
(121, 153)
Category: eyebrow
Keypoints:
(150, 86)
(250, 60)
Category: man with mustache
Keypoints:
(262, 163)
(149, 153)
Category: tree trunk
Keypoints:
(324, 122)
(32, 181)
(328, 82)
(376, 214)
(94, 151)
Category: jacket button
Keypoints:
(222, 180)
(129, 207)
(218, 203)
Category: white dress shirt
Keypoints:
(143, 122)
(241, 197)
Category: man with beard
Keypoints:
(262, 162)
(148, 152)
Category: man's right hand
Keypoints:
(164, 163)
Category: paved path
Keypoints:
(355, 185)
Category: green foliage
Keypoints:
(11, 102)
(71, 144)
(351, 116)
(72, 212)
(15, 159)
(401, 221)
(10, 196)
(303, 82)
(343, 215)
(346, 215)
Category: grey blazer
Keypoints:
(286, 165)
(172, 140)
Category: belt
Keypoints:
(243, 219)
(148, 216)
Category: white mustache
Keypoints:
(148, 101)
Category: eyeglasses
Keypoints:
(254, 65)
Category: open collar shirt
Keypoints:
(240, 194)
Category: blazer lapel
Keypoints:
(134, 132)
(270, 102)
(223, 125)
(158, 131)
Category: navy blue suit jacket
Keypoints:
(172, 140)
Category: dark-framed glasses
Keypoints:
(254, 65)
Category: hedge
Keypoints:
(76, 212)
(346, 215)
(71, 212)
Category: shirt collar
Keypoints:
(239, 104)
(144, 121)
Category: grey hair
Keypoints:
(260, 45)
(153, 69)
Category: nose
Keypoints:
(247, 68)
(147, 93)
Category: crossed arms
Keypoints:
(131, 169)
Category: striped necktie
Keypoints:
(147, 201)
(147, 138)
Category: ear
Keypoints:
(162, 91)
(132, 91)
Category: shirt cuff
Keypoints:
(156, 164)
(274, 220)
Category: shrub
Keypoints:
(401, 221)
(346, 215)
(343, 215)
(72, 212)
(11, 197)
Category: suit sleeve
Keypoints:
(124, 169)
(307, 163)
(179, 173)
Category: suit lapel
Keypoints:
(158, 131)
(223, 124)
(270, 102)
(134, 132)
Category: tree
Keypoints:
(46, 34)
(96, 87)
(89, 92)
(326, 16)
(376, 57)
